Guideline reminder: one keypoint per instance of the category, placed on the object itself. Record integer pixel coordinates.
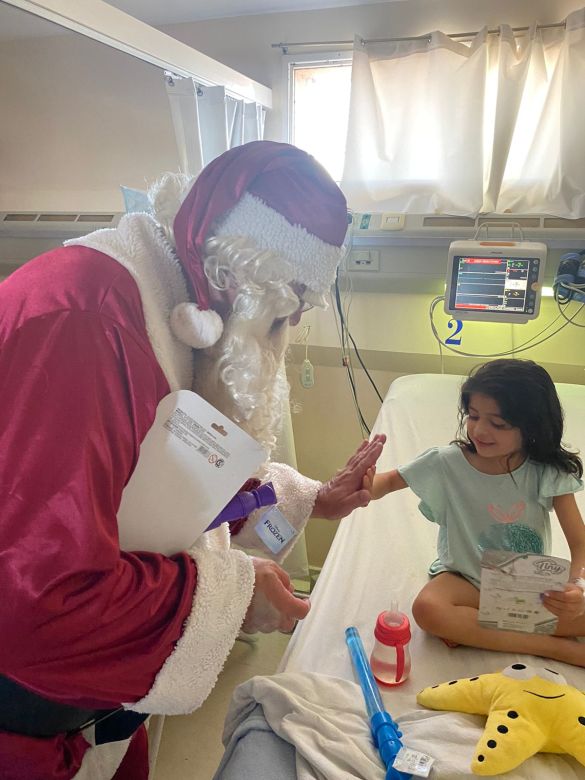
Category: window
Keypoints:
(436, 130)
(319, 101)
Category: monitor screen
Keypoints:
(493, 284)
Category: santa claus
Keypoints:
(197, 295)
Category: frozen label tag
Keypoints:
(412, 762)
(274, 530)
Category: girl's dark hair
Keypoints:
(528, 400)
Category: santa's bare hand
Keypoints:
(346, 491)
(273, 606)
(568, 603)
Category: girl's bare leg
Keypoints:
(448, 607)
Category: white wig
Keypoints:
(241, 373)
(243, 370)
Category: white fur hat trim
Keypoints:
(313, 261)
(196, 327)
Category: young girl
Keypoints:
(493, 488)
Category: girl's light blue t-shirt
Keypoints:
(477, 511)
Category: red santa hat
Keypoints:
(275, 194)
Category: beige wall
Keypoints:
(394, 330)
(78, 119)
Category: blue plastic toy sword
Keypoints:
(385, 731)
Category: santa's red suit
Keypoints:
(86, 354)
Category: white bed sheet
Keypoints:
(382, 553)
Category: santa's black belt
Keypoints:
(27, 713)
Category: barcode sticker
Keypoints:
(413, 762)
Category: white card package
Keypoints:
(511, 590)
(192, 461)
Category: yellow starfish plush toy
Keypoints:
(530, 710)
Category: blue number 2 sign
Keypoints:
(452, 340)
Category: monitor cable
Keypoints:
(345, 325)
(346, 360)
(529, 344)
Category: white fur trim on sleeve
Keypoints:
(225, 585)
(296, 496)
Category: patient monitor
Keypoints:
(495, 281)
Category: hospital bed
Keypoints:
(381, 554)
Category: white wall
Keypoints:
(77, 119)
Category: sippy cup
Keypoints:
(390, 659)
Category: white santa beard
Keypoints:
(241, 375)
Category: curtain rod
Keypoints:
(427, 37)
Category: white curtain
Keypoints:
(208, 121)
(464, 128)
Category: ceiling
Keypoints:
(15, 23)
(172, 11)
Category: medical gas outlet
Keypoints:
(307, 374)
(372, 222)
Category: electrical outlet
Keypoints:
(364, 260)
(392, 222)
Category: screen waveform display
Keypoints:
(492, 283)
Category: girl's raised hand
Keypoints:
(568, 603)
(368, 482)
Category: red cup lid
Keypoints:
(392, 628)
